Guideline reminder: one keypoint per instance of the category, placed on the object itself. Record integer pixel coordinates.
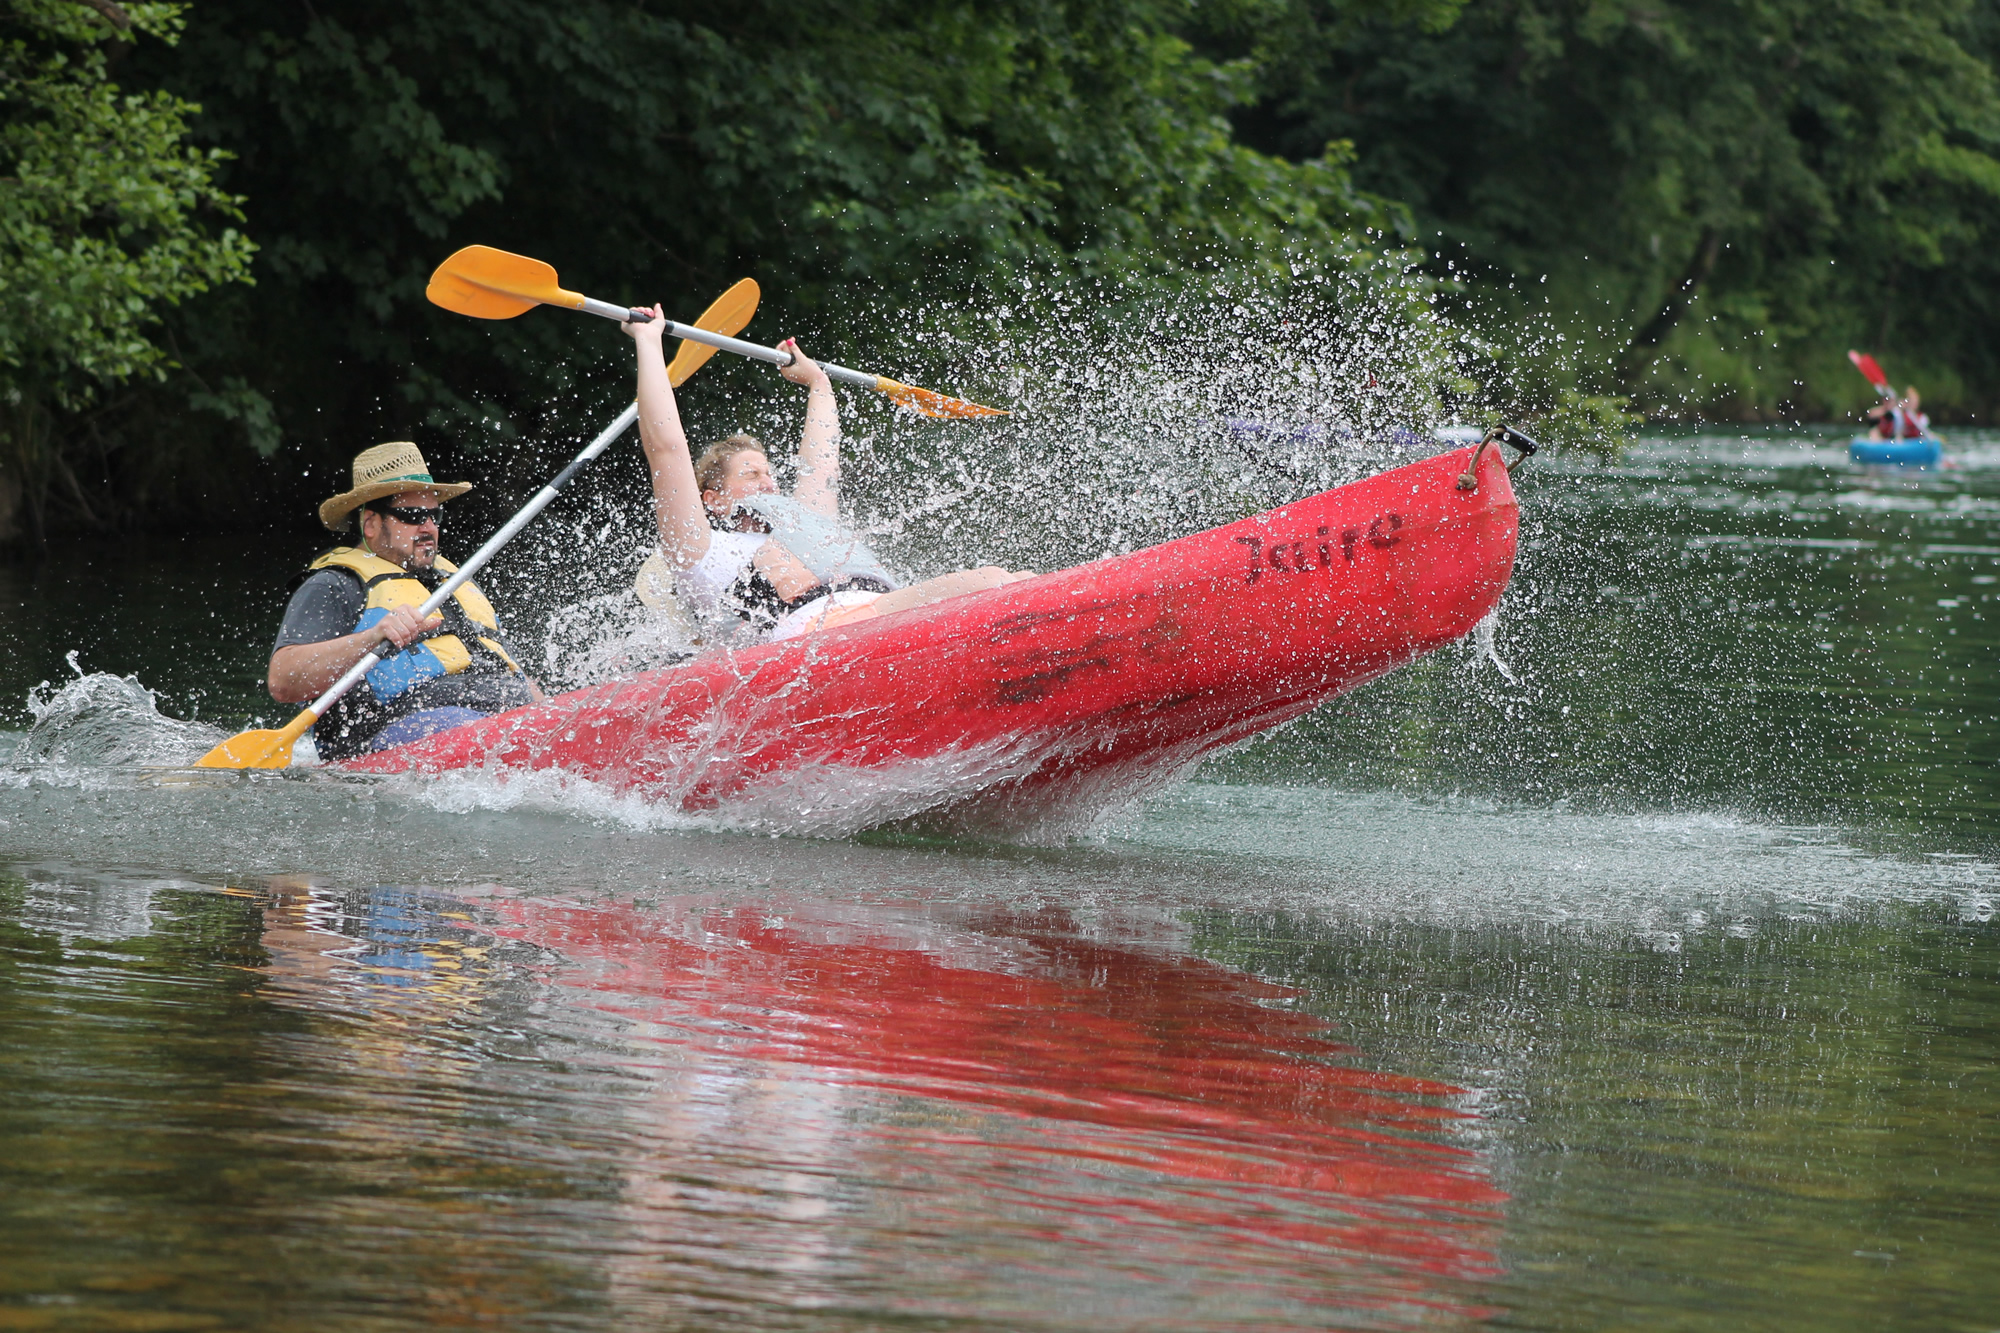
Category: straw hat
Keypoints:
(387, 469)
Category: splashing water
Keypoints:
(822, 545)
(1147, 417)
(1485, 634)
(599, 638)
(105, 721)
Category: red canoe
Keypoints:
(1038, 705)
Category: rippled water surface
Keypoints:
(1657, 987)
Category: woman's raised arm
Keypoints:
(684, 533)
(819, 448)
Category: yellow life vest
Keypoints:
(389, 585)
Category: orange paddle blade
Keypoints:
(259, 749)
(492, 284)
(728, 313)
(932, 403)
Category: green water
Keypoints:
(1786, 1127)
(1659, 989)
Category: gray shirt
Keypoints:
(326, 606)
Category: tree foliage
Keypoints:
(841, 156)
(102, 206)
(1711, 199)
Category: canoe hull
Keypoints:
(1923, 452)
(1047, 701)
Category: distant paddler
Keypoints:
(729, 563)
(1891, 418)
(451, 668)
(1900, 419)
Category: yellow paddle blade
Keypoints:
(728, 313)
(932, 403)
(259, 749)
(491, 284)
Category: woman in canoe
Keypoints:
(1904, 420)
(725, 562)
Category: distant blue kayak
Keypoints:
(1922, 452)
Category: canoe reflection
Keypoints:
(1154, 1111)
(797, 1109)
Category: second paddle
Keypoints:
(486, 283)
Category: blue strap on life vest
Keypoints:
(415, 664)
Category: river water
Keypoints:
(1657, 986)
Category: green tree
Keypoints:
(1708, 199)
(885, 150)
(102, 206)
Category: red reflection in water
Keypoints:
(1133, 1066)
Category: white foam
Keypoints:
(101, 721)
(546, 789)
(1001, 790)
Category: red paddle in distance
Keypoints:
(1866, 365)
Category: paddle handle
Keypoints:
(759, 352)
(347, 682)
(694, 333)
(525, 516)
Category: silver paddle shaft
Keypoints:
(543, 498)
(755, 351)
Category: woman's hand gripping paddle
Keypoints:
(493, 284)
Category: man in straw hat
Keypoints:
(453, 668)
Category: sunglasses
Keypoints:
(412, 516)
